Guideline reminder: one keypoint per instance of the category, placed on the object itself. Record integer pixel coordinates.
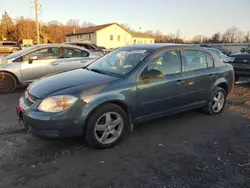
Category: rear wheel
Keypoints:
(106, 126)
(7, 83)
(217, 102)
(236, 77)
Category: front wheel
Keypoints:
(217, 102)
(7, 83)
(106, 126)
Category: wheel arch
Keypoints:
(223, 84)
(117, 102)
(12, 74)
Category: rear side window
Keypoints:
(72, 52)
(210, 60)
(195, 60)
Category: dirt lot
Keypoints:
(186, 150)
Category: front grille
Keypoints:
(29, 99)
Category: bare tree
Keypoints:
(87, 24)
(231, 34)
(73, 23)
(247, 37)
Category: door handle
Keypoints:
(84, 61)
(54, 63)
(180, 82)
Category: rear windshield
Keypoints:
(9, 44)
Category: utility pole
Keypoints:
(37, 22)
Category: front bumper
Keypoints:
(51, 125)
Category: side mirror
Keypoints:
(243, 50)
(152, 74)
(32, 58)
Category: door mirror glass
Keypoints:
(32, 58)
(151, 74)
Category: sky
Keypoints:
(191, 17)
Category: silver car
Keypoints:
(29, 64)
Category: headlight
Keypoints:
(57, 103)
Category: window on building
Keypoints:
(134, 41)
(118, 38)
(145, 42)
(151, 41)
(89, 37)
(111, 37)
(195, 60)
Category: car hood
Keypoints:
(79, 78)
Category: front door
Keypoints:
(161, 86)
(201, 75)
(39, 63)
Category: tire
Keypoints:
(7, 83)
(209, 108)
(236, 77)
(100, 117)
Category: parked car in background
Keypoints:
(241, 64)
(245, 50)
(31, 63)
(7, 47)
(128, 85)
(88, 46)
(222, 56)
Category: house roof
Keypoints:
(93, 29)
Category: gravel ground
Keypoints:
(186, 150)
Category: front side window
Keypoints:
(72, 52)
(167, 63)
(195, 60)
(44, 54)
(120, 61)
(111, 37)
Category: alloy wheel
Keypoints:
(109, 127)
(218, 101)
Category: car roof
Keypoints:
(61, 45)
(156, 46)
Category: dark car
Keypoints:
(128, 85)
(241, 64)
(88, 46)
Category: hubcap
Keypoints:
(108, 127)
(218, 101)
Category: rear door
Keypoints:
(45, 63)
(201, 75)
(73, 58)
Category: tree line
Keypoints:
(54, 32)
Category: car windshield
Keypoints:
(20, 52)
(120, 61)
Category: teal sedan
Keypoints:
(130, 84)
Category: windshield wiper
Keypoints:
(95, 70)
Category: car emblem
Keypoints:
(245, 60)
